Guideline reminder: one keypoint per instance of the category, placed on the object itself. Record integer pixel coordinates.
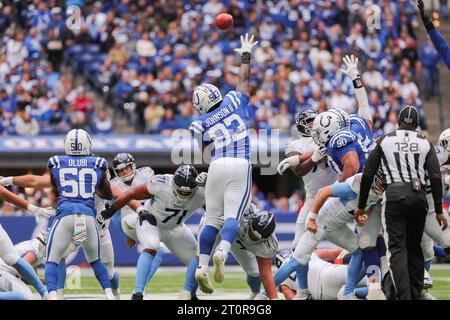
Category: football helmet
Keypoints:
(122, 160)
(326, 124)
(184, 184)
(444, 139)
(77, 143)
(205, 97)
(304, 121)
(261, 226)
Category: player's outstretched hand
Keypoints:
(288, 163)
(246, 44)
(425, 17)
(319, 154)
(352, 66)
(38, 211)
(201, 179)
(6, 181)
(108, 212)
(442, 220)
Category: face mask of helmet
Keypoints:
(183, 193)
(184, 184)
(261, 226)
(125, 177)
(304, 121)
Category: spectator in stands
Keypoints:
(102, 123)
(153, 115)
(167, 123)
(391, 125)
(25, 125)
(429, 58)
(282, 206)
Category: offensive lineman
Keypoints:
(172, 200)
(223, 126)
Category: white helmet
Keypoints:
(444, 139)
(205, 97)
(326, 124)
(77, 143)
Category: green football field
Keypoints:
(167, 284)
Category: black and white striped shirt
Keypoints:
(404, 155)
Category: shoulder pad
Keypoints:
(157, 182)
(53, 163)
(342, 138)
(146, 171)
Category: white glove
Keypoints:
(6, 181)
(319, 154)
(246, 44)
(352, 67)
(201, 179)
(288, 163)
(447, 179)
(38, 211)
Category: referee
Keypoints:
(407, 158)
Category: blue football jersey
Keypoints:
(226, 127)
(77, 179)
(357, 137)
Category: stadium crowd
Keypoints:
(145, 57)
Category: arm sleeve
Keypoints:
(434, 174)
(343, 190)
(363, 104)
(372, 164)
(441, 46)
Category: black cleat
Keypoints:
(195, 297)
(137, 296)
(446, 259)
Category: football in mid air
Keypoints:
(224, 21)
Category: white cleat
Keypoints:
(253, 295)
(303, 294)
(185, 295)
(219, 266)
(52, 295)
(60, 294)
(427, 281)
(201, 275)
(351, 296)
(109, 294)
(375, 292)
(425, 295)
(116, 293)
(261, 296)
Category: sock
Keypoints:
(439, 251)
(190, 282)
(254, 283)
(157, 259)
(28, 273)
(353, 271)
(12, 296)
(228, 234)
(381, 248)
(114, 281)
(428, 265)
(101, 273)
(61, 275)
(206, 243)
(51, 276)
(285, 271)
(143, 268)
(361, 292)
(372, 263)
(302, 276)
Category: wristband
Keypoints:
(357, 83)
(313, 215)
(245, 57)
(138, 210)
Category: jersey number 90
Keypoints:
(79, 182)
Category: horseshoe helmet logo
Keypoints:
(323, 123)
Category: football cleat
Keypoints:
(446, 259)
(375, 292)
(303, 294)
(116, 293)
(427, 281)
(219, 266)
(425, 295)
(185, 295)
(253, 295)
(201, 275)
(137, 296)
(351, 296)
(109, 294)
(52, 295)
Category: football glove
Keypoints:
(319, 154)
(201, 179)
(352, 67)
(38, 211)
(246, 44)
(6, 181)
(288, 163)
(108, 212)
(144, 215)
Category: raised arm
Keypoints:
(27, 181)
(244, 72)
(360, 93)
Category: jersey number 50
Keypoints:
(78, 181)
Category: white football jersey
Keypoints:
(34, 246)
(355, 184)
(321, 175)
(265, 248)
(442, 156)
(168, 210)
(143, 175)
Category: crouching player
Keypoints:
(254, 248)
